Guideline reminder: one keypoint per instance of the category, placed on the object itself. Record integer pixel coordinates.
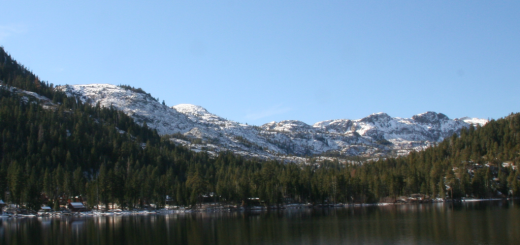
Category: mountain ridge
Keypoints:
(377, 135)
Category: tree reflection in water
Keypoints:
(467, 223)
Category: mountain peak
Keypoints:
(377, 117)
(430, 117)
(287, 126)
(190, 109)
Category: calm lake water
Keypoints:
(496, 222)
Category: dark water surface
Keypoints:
(495, 222)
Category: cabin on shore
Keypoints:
(45, 210)
(77, 207)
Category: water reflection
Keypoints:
(466, 223)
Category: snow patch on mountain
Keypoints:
(474, 121)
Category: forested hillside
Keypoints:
(73, 149)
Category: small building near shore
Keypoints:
(77, 207)
(45, 210)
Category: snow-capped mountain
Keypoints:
(376, 135)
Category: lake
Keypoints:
(491, 222)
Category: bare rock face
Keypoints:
(375, 135)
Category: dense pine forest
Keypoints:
(51, 154)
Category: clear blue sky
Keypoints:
(257, 61)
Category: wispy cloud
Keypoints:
(11, 30)
(274, 110)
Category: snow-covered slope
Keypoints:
(376, 135)
(141, 106)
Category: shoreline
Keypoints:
(231, 209)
